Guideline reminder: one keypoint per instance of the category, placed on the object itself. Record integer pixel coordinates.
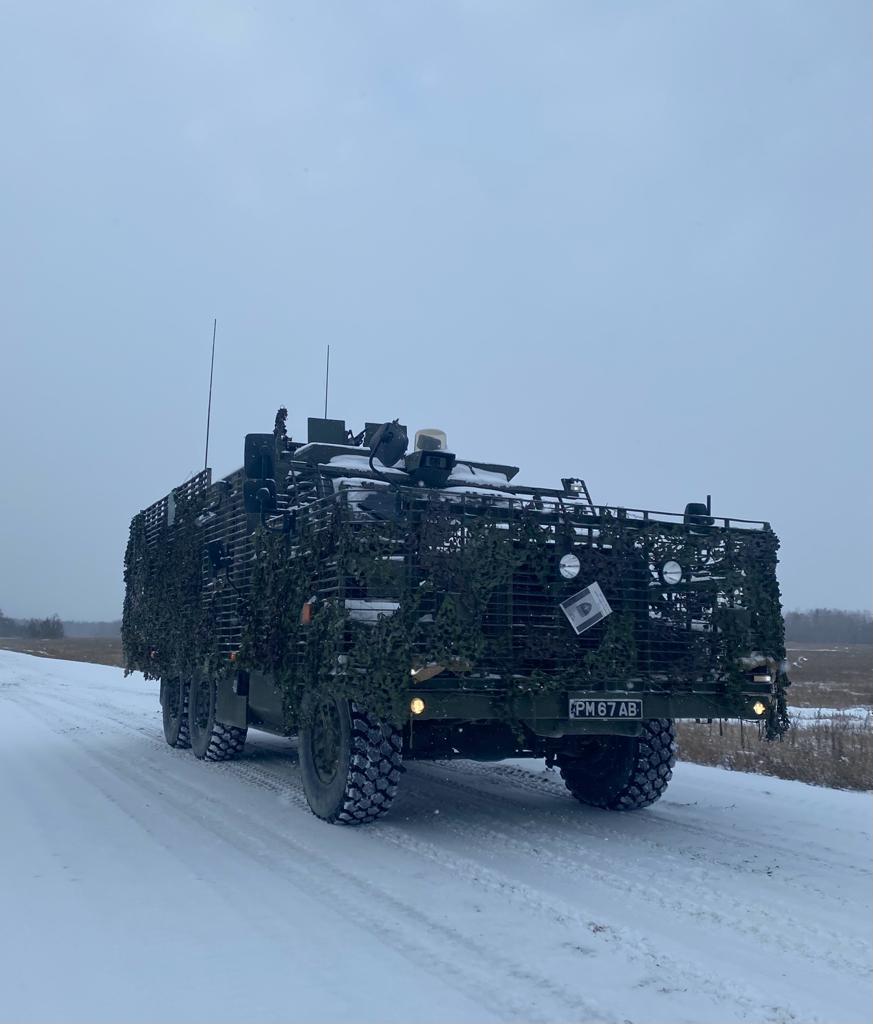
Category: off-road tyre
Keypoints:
(623, 773)
(350, 761)
(211, 740)
(174, 711)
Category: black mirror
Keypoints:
(259, 457)
(259, 496)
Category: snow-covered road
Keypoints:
(140, 884)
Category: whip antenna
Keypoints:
(209, 407)
(326, 380)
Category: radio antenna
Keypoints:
(209, 407)
(326, 380)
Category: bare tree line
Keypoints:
(50, 628)
(829, 626)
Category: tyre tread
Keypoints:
(183, 741)
(650, 772)
(226, 742)
(374, 769)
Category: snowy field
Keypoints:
(139, 884)
(850, 718)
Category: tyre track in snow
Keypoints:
(669, 895)
(560, 855)
(562, 852)
(484, 820)
(481, 838)
(399, 925)
(661, 819)
(621, 941)
(631, 944)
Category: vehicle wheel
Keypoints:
(211, 740)
(175, 712)
(350, 761)
(623, 773)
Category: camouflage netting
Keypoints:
(449, 576)
(439, 618)
(166, 627)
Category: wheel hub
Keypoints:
(325, 741)
(201, 704)
(173, 700)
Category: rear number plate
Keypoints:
(581, 707)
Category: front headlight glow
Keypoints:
(416, 705)
(759, 708)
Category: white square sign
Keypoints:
(586, 609)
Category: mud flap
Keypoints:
(230, 708)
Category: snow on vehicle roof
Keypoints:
(361, 462)
(462, 474)
(465, 473)
(365, 483)
(490, 492)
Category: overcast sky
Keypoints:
(628, 241)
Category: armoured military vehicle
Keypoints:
(385, 605)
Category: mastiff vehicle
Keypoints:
(384, 605)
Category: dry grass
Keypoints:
(831, 752)
(828, 753)
(98, 650)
